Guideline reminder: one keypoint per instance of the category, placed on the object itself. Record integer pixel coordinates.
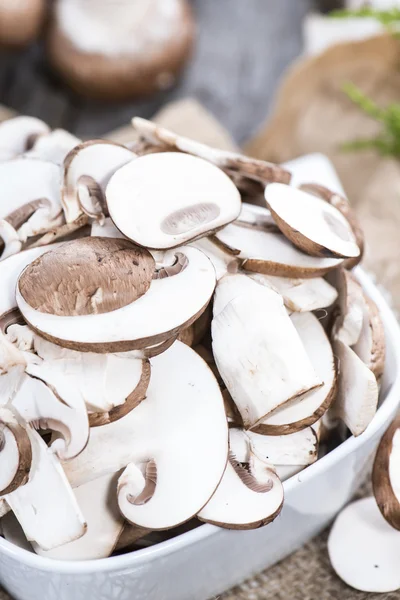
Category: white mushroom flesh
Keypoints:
(364, 550)
(167, 199)
(258, 351)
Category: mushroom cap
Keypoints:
(385, 475)
(164, 200)
(364, 550)
(88, 276)
(180, 427)
(10, 270)
(139, 324)
(124, 75)
(311, 224)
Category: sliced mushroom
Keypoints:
(108, 385)
(264, 251)
(12, 366)
(116, 323)
(311, 224)
(300, 448)
(10, 270)
(180, 429)
(45, 506)
(308, 408)
(247, 497)
(257, 349)
(10, 239)
(358, 391)
(300, 295)
(385, 475)
(343, 205)
(364, 550)
(349, 323)
(37, 404)
(370, 346)
(19, 134)
(251, 168)
(54, 146)
(98, 503)
(87, 170)
(15, 453)
(25, 180)
(164, 200)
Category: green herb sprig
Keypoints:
(387, 143)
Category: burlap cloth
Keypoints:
(375, 186)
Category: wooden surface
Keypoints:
(243, 47)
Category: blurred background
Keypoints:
(241, 50)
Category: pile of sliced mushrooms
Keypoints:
(169, 353)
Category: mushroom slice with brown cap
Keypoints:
(299, 295)
(107, 385)
(370, 346)
(252, 168)
(343, 205)
(24, 180)
(308, 408)
(364, 550)
(20, 133)
(87, 170)
(311, 224)
(54, 146)
(257, 349)
(249, 496)
(385, 475)
(37, 404)
(264, 251)
(45, 506)
(15, 453)
(73, 303)
(349, 323)
(188, 453)
(164, 200)
(98, 503)
(358, 391)
(10, 270)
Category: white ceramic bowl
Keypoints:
(204, 562)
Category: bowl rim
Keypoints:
(144, 555)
